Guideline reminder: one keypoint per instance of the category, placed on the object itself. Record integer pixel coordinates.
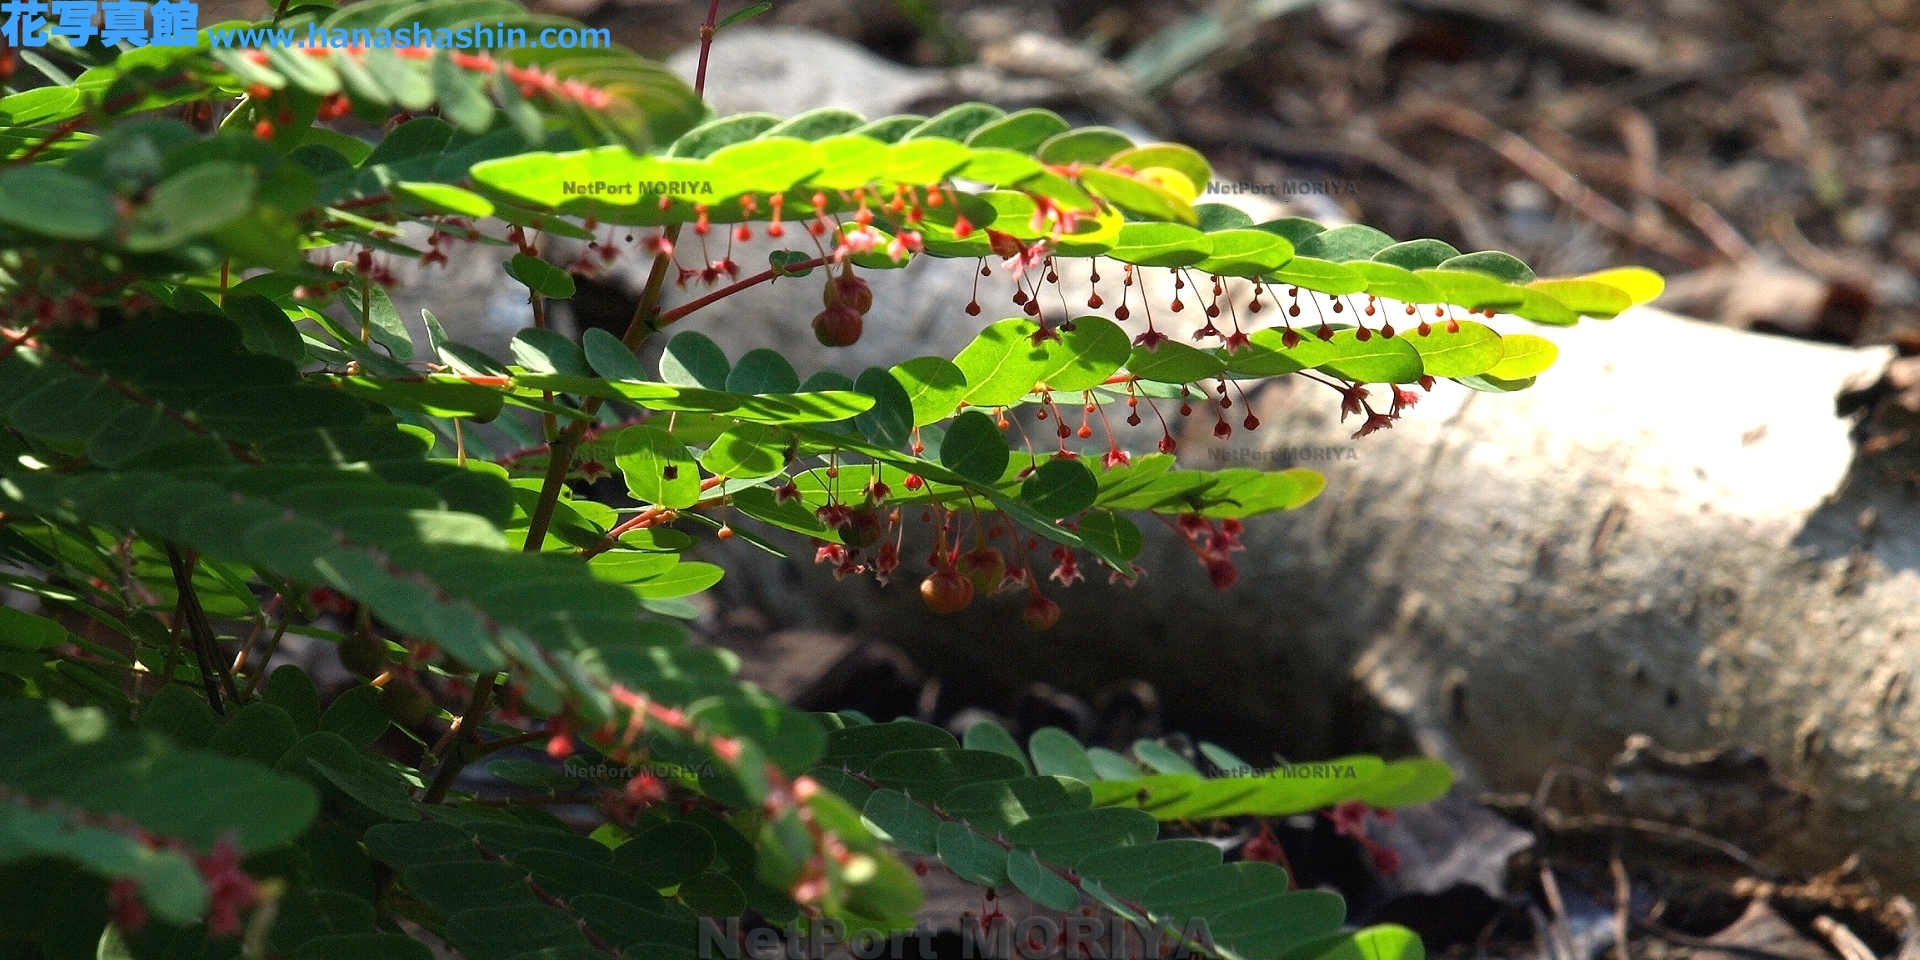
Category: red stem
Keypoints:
(707, 30)
(690, 306)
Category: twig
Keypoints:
(1555, 821)
(211, 674)
(273, 647)
(690, 306)
(1643, 155)
(477, 705)
(1557, 179)
(1622, 899)
(1844, 941)
(1371, 149)
(1724, 236)
(1702, 943)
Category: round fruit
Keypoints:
(848, 290)
(838, 326)
(364, 655)
(984, 567)
(946, 591)
(1040, 614)
(406, 703)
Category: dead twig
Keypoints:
(1622, 899)
(1369, 148)
(1845, 942)
(1560, 181)
(1653, 928)
(1724, 236)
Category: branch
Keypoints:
(201, 631)
(477, 706)
(682, 310)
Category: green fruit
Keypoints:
(405, 702)
(364, 655)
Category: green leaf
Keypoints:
(1129, 871)
(189, 204)
(52, 202)
(1587, 298)
(972, 857)
(1417, 254)
(541, 277)
(1162, 758)
(975, 448)
(1475, 349)
(1022, 131)
(548, 351)
(1060, 487)
(1321, 276)
(1002, 364)
(1085, 356)
(1472, 289)
(447, 198)
(743, 14)
(997, 805)
(1173, 156)
(905, 823)
(1057, 753)
(1040, 883)
(1524, 356)
(1173, 362)
(693, 360)
(1161, 245)
(1638, 283)
(264, 327)
(1407, 783)
(713, 895)
(784, 262)
(747, 451)
(990, 736)
(658, 468)
(763, 371)
(667, 855)
(385, 324)
(609, 357)
(1383, 942)
(1085, 145)
(1065, 838)
(356, 716)
(1493, 263)
(857, 747)
(1146, 200)
(1245, 253)
(1112, 534)
(890, 421)
(1374, 360)
(1341, 244)
(958, 122)
(260, 732)
(929, 775)
(22, 631)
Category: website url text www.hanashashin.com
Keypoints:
(413, 37)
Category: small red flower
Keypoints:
(229, 889)
(129, 911)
